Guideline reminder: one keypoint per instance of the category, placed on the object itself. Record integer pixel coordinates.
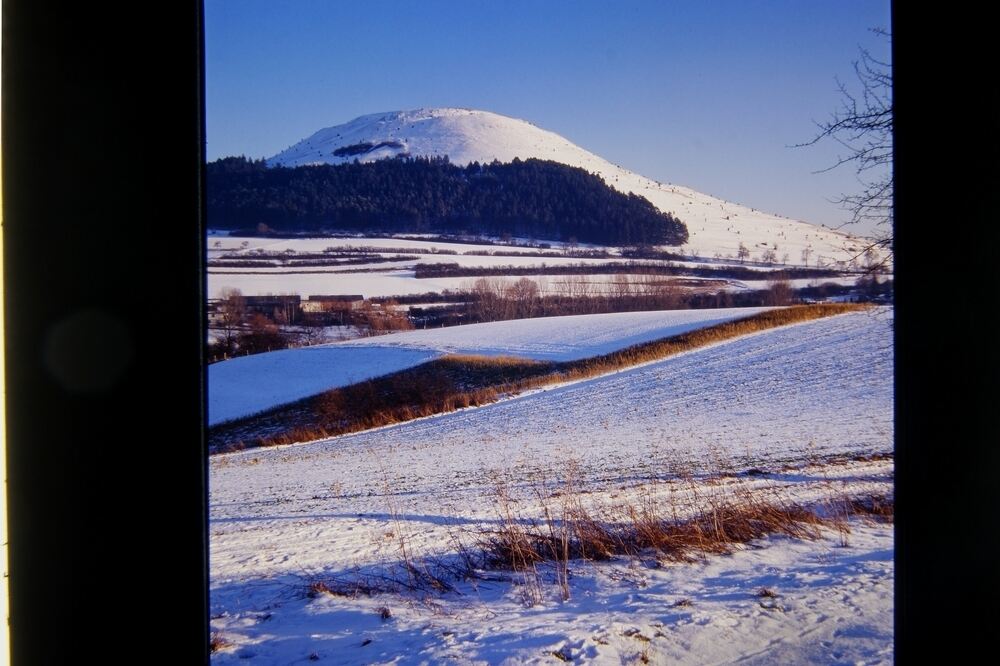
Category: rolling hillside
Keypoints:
(715, 226)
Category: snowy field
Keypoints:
(467, 261)
(396, 278)
(464, 260)
(220, 244)
(370, 285)
(249, 384)
(394, 282)
(783, 400)
(559, 338)
(228, 244)
(739, 285)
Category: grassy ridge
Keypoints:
(458, 381)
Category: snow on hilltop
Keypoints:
(465, 135)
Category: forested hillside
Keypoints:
(531, 198)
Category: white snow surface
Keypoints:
(369, 285)
(229, 244)
(404, 283)
(784, 399)
(248, 384)
(485, 261)
(558, 338)
(465, 135)
(397, 278)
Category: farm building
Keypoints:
(335, 303)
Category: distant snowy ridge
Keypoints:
(715, 226)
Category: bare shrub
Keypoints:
(218, 642)
(351, 588)
(878, 508)
(779, 292)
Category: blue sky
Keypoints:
(706, 94)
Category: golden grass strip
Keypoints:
(458, 381)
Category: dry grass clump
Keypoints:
(351, 589)
(878, 508)
(519, 545)
(218, 642)
(460, 381)
(726, 525)
(422, 578)
(872, 457)
(646, 526)
(725, 522)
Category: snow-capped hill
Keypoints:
(463, 135)
(714, 226)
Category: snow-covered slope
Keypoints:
(715, 226)
(333, 510)
(557, 338)
(248, 384)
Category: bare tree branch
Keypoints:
(862, 126)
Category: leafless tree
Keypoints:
(806, 251)
(779, 292)
(261, 335)
(524, 295)
(743, 253)
(575, 286)
(862, 125)
(666, 294)
(620, 288)
(232, 310)
(488, 298)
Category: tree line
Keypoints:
(453, 270)
(240, 331)
(530, 198)
(495, 299)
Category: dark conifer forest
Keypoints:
(531, 198)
